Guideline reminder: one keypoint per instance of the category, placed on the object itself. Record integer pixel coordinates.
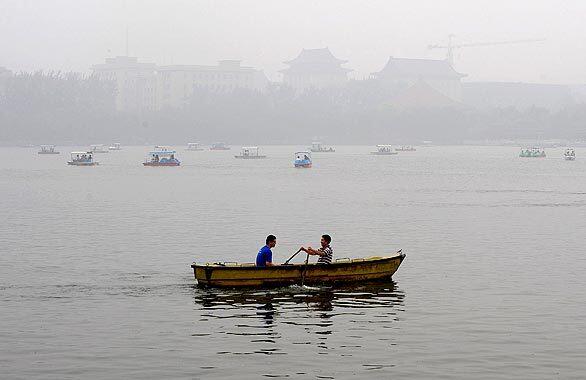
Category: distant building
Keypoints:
(136, 82)
(315, 68)
(402, 73)
(148, 87)
(177, 83)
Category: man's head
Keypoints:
(325, 240)
(271, 241)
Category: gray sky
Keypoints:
(74, 34)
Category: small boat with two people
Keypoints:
(194, 147)
(302, 160)
(98, 148)
(161, 157)
(570, 154)
(115, 146)
(250, 153)
(48, 149)
(405, 148)
(534, 152)
(82, 159)
(340, 271)
(219, 146)
(384, 150)
(317, 146)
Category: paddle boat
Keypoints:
(250, 153)
(302, 160)
(98, 148)
(534, 152)
(219, 146)
(82, 159)
(405, 148)
(193, 146)
(159, 157)
(48, 149)
(570, 154)
(384, 150)
(317, 146)
(115, 146)
(234, 275)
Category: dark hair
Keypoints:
(327, 238)
(271, 238)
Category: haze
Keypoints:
(74, 35)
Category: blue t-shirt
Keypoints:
(264, 255)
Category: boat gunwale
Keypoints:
(401, 257)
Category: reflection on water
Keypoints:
(347, 322)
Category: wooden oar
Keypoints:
(304, 269)
(290, 258)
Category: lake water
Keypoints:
(95, 279)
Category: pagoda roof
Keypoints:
(317, 61)
(313, 56)
(418, 68)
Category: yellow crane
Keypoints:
(451, 45)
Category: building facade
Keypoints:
(148, 87)
(315, 69)
(402, 73)
(136, 82)
(177, 83)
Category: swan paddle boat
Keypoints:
(384, 150)
(302, 160)
(82, 159)
(48, 149)
(159, 157)
(250, 153)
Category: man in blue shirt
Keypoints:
(264, 258)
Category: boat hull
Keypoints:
(569, 158)
(161, 163)
(384, 153)
(249, 275)
(250, 157)
(82, 163)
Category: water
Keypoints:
(95, 279)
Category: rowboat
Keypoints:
(233, 275)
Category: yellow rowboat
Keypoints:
(234, 275)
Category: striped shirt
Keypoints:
(327, 258)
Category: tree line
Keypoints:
(71, 108)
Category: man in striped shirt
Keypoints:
(325, 253)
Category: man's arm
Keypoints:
(315, 252)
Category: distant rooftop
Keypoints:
(224, 65)
(418, 68)
(315, 60)
(122, 62)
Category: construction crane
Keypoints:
(451, 46)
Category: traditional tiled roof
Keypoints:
(315, 60)
(418, 68)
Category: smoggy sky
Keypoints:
(74, 34)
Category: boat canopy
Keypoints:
(250, 150)
(162, 152)
(303, 155)
(47, 146)
(84, 152)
